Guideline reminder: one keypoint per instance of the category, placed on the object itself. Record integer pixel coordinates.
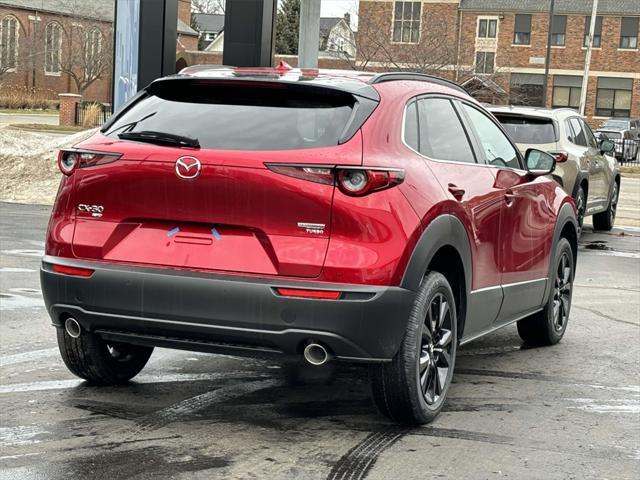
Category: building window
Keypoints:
(522, 31)
(596, 34)
(487, 28)
(406, 22)
(8, 43)
(526, 89)
(566, 91)
(558, 29)
(613, 98)
(52, 48)
(209, 36)
(485, 62)
(94, 47)
(629, 32)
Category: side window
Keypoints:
(591, 139)
(442, 136)
(579, 137)
(411, 126)
(496, 147)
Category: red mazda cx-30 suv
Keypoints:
(345, 216)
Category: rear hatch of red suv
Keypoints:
(230, 175)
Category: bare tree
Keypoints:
(86, 53)
(207, 6)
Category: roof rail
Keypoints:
(421, 77)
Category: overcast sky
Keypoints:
(337, 8)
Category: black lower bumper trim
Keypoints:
(216, 313)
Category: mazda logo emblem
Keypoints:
(188, 167)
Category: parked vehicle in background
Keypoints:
(585, 168)
(625, 134)
(374, 218)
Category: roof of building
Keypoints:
(95, 9)
(327, 23)
(583, 7)
(209, 22)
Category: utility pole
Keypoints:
(309, 34)
(547, 60)
(587, 60)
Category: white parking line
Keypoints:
(27, 356)
(24, 252)
(15, 270)
(65, 384)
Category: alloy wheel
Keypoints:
(434, 365)
(614, 203)
(562, 293)
(580, 209)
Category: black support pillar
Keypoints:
(249, 33)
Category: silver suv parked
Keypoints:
(586, 167)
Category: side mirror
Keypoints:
(607, 146)
(539, 163)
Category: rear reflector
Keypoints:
(74, 271)
(302, 293)
(560, 156)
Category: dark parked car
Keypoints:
(625, 134)
(383, 219)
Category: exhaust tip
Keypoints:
(72, 327)
(316, 354)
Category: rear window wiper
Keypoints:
(161, 138)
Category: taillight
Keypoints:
(73, 271)
(69, 160)
(560, 156)
(358, 182)
(304, 293)
(350, 180)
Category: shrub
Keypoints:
(17, 97)
(92, 115)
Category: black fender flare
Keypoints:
(616, 174)
(579, 178)
(445, 230)
(566, 215)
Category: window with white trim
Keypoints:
(406, 22)
(94, 47)
(485, 62)
(8, 43)
(52, 48)
(487, 28)
(629, 32)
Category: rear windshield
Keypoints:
(241, 116)
(609, 134)
(528, 130)
(621, 124)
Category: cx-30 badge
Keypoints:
(188, 167)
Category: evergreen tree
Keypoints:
(287, 26)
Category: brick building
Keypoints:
(47, 43)
(498, 47)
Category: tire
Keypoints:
(547, 327)
(606, 219)
(398, 387)
(101, 363)
(581, 202)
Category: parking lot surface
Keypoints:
(568, 411)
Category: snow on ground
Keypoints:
(28, 164)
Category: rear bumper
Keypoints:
(220, 313)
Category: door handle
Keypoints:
(509, 197)
(456, 191)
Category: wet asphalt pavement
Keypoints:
(568, 411)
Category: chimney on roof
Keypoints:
(347, 19)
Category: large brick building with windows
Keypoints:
(49, 44)
(499, 47)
